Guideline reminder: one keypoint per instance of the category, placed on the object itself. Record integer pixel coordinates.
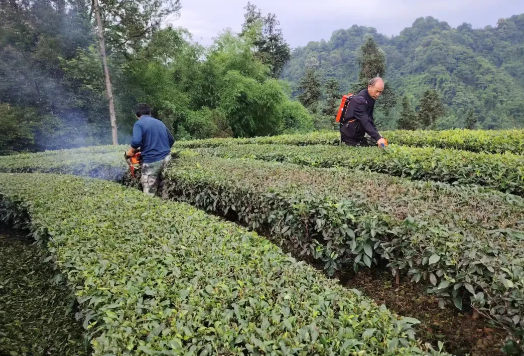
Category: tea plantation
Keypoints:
(164, 277)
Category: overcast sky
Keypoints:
(313, 20)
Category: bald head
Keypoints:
(376, 87)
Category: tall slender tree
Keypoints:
(109, 87)
(372, 62)
(332, 93)
(431, 108)
(471, 120)
(253, 16)
(271, 47)
(127, 24)
(408, 118)
(311, 90)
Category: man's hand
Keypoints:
(382, 142)
(130, 153)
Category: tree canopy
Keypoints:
(478, 70)
(52, 92)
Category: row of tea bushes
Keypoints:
(504, 172)
(162, 278)
(495, 141)
(464, 242)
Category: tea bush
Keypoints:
(162, 278)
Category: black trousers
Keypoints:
(348, 137)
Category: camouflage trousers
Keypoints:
(152, 176)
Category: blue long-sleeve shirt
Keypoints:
(153, 138)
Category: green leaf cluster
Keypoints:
(36, 307)
(103, 162)
(465, 242)
(504, 172)
(499, 141)
(155, 277)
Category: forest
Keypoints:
(477, 73)
(52, 91)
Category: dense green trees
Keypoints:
(321, 102)
(311, 90)
(268, 40)
(471, 69)
(230, 93)
(17, 129)
(332, 93)
(52, 92)
(50, 65)
(39, 100)
(372, 63)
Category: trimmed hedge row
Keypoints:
(67, 152)
(35, 309)
(504, 172)
(104, 162)
(493, 141)
(385, 215)
(464, 242)
(158, 278)
(499, 141)
(313, 138)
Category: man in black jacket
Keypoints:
(359, 117)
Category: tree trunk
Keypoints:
(109, 89)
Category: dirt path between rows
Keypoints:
(459, 331)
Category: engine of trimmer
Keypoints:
(134, 163)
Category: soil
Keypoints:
(461, 333)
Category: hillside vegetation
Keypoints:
(479, 70)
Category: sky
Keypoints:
(303, 21)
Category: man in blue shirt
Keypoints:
(154, 141)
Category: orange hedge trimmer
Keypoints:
(134, 162)
(385, 146)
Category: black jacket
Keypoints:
(359, 120)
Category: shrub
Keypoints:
(499, 141)
(463, 242)
(155, 277)
(504, 172)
